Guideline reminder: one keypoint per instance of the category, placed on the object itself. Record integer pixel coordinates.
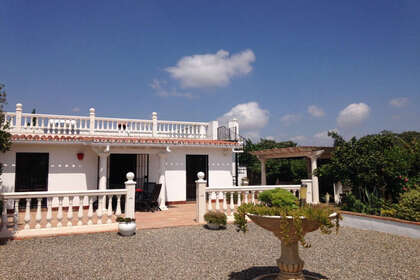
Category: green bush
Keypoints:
(349, 202)
(279, 198)
(215, 217)
(408, 207)
(125, 220)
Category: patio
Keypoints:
(193, 252)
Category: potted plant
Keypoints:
(215, 219)
(126, 226)
(279, 212)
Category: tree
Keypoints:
(283, 170)
(5, 142)
(373, 166)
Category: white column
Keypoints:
(315, 183)
(263, 175)
(92, 121)
(162, 180)
(18, 117)
(103, 167)
(154, 124)
(130, 185)
(338, 189)
(201, 197)
(308, 183)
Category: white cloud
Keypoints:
(290, 119)
(322, 138)
(160, 87)
(250, 116)
(398, 102)
(316, 111)
(75, 110)
(211, 70)
(353, 115)
(300, 139)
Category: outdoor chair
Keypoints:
(151, 203)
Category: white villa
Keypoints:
(79, 153)
(68, 174)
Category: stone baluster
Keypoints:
(246, 193)
(217, 201)
(210, 206)
(99, 210)
(118, 211)
(90, 211)
(232, 205)
(60, 211)
(239, 198)
(109, 220)
(4, 218)
(224, 203)
(28, 213)
(49, 211)
(80, 212)
(70, 212)
(38, 213)
(253, 197)
(16, 215)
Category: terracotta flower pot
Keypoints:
(290, 264)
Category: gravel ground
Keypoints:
(197, 253)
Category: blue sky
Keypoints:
(285, 69)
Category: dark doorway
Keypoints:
(119, 166)
(326, 183)
(195, 164)
(31, 172)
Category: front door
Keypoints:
(31, 172)
(119, 166)
(195, 164)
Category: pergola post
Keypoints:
(315, 183)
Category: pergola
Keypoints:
(311, 153)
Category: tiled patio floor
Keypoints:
(176, 215)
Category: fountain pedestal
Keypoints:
(289, 263)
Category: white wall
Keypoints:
(65, 171)
(220, 170)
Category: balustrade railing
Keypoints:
(91, 125)
(63, 210)
(227, 199)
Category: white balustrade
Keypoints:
(237, 196)
(49, 124)
(65, 215)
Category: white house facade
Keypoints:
(79, 153)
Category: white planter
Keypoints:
(213, 226)
(127, 229)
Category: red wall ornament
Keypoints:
(80, 156)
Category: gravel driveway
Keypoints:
(197, 253)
